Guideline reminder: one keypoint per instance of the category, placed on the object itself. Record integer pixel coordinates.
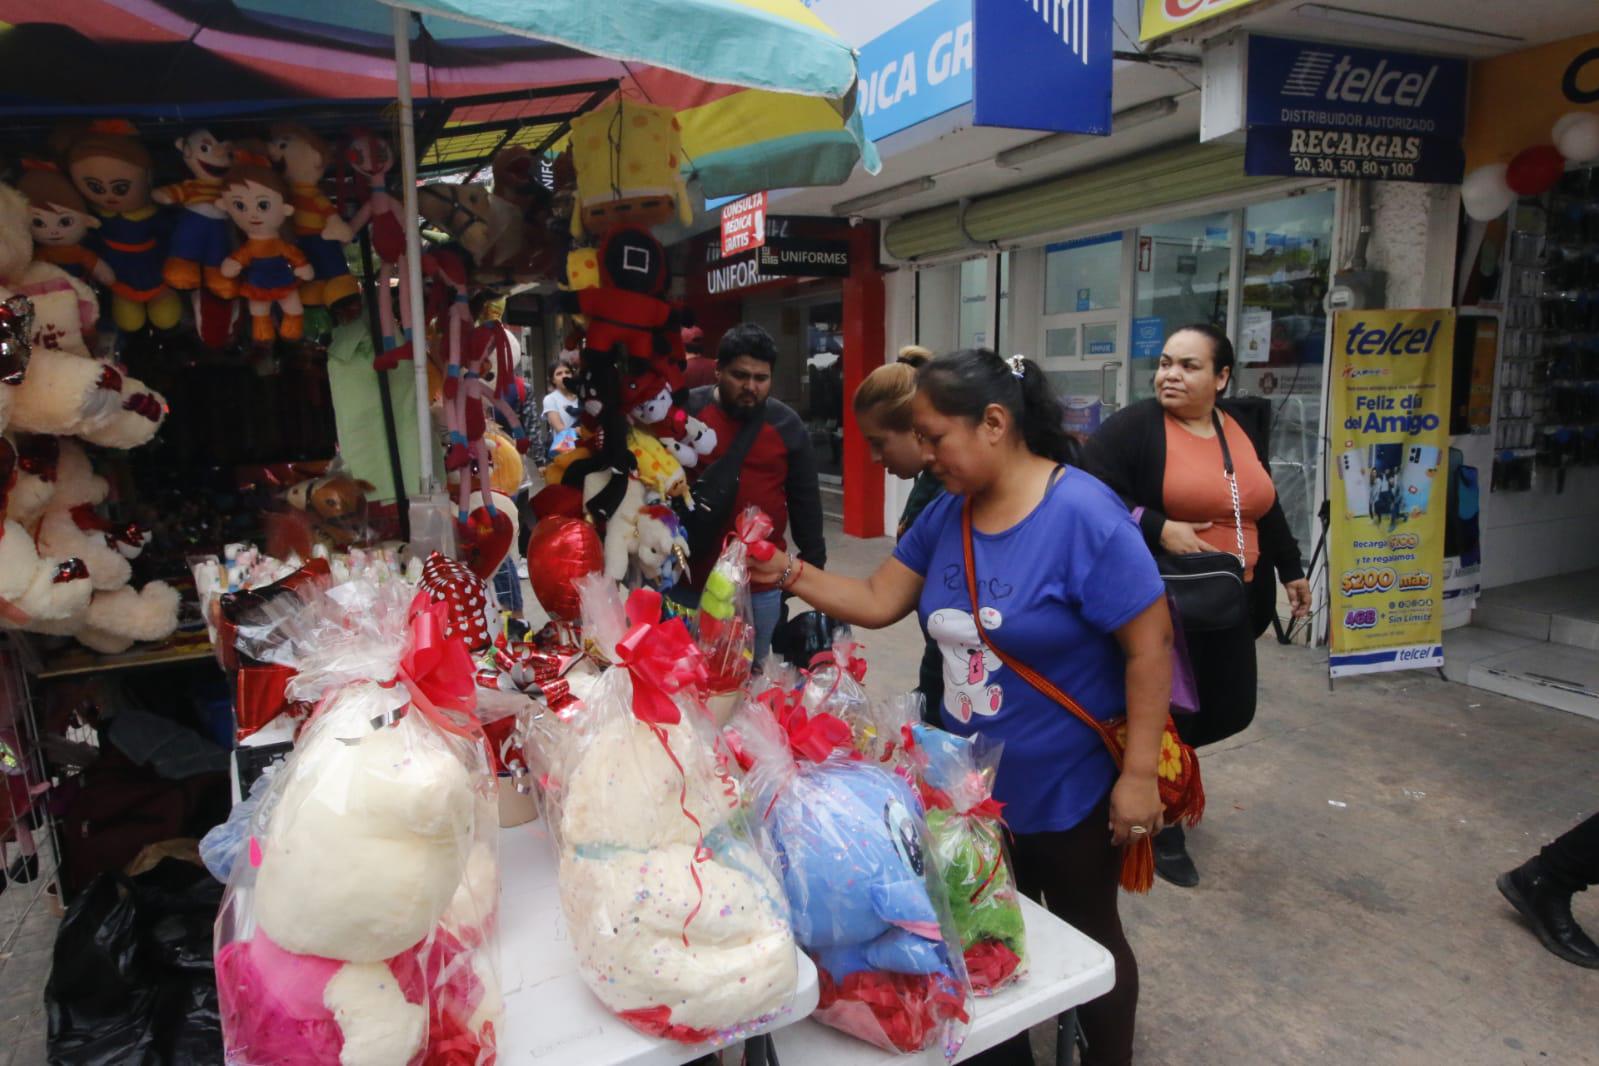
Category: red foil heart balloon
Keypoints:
(561, 551)
(485, 540)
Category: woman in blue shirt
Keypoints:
(1066, 586)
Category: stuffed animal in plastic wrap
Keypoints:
(359, 930)
(112, 169)
(65, 390)
(867, 903)
(677, 925)
(966, 830)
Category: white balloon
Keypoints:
(1485, 194)
(1576, 135)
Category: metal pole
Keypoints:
(413, 245)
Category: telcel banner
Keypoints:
(1390, 433)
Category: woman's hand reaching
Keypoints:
(1182, 538)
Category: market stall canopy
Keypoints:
(763, 90)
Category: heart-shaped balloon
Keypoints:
(561, 551)
(485, 540)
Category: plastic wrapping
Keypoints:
(677, 925)
(967, 833)
(833, 683)
(224, 843)
(726, 622)
(867, 902)
(359, 925)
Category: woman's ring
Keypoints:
(1138, 830)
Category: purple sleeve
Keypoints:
(915, 548)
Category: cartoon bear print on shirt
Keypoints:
(968, 662)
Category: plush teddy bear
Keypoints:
(65, 390)
(33, 587)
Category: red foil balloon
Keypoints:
(561, 551)
(1535, 170)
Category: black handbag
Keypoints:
(716, 491)
(1208, 587)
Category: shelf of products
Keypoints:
(1548, 378)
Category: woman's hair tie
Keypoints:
(1018, 365)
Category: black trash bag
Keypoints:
(131, 980)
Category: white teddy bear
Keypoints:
(33, 588)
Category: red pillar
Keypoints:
(864, 314)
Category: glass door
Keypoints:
(1083, 344)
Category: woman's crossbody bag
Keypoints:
(1208, 587)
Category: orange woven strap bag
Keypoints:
(1177, 772)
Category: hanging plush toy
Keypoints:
(370, 158)
(60, 222)
(628, 157)
(112, 170)
(322, 234)
(268, 267)
(202, 236)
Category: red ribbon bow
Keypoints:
(752, 527)
(660, 657)
(438, 671)
(812, 737)
(843, 655)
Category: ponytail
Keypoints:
(963, 384)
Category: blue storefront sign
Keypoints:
(1327, 110)
(1044, 65)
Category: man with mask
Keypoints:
(762, 446)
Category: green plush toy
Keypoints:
(966, 836)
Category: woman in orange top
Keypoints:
(1163, 458)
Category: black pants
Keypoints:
(1572, 859)
(1224, 673)
(1077, 875)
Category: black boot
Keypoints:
(1172, 861)
(1548, 907)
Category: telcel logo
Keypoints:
(1399, 340)
(1314, 74)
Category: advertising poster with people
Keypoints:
(1389, 428)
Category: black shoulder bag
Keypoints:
(715, 492)
(1208, 587)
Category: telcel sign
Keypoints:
(1326, 110)
(744, 224)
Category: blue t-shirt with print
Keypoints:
(1053, 590)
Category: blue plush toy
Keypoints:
(849, 840)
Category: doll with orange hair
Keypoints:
(111, 169)
(269, 268)
(59, 220)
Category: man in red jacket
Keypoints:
(778, 471)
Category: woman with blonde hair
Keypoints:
(883, 413)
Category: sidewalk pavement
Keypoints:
(1347, 911)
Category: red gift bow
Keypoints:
(437, 670)
(812, 737)
(660, 657)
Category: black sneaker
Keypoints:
(1172, 861)
(1548, 908)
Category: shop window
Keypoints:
(1281, 337)
(1184, 275)
(1083, 275)
(976, 329)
